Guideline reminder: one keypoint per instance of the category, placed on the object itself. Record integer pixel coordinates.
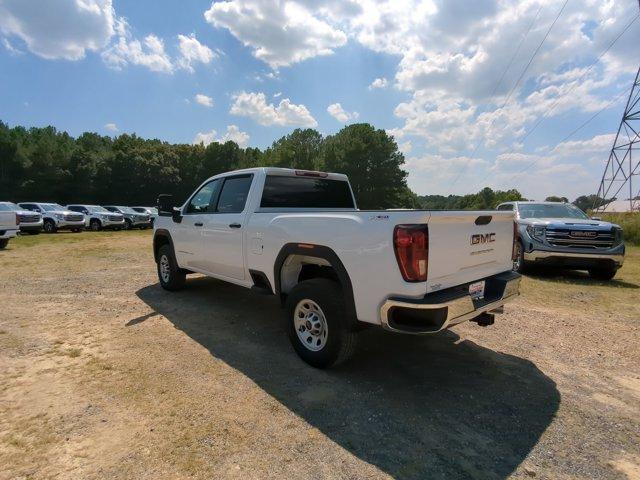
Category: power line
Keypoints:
(576, 82)
(524, 71)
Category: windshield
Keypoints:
(52, 207)
(550, 210)
(97, 209)
(8, 207)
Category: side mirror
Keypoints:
(165, 205)
(596, 218)
(176, 214)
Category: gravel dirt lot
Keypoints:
(105, 375)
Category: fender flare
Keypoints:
(161, 232)
(318, 251)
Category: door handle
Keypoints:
(235, 225)
(197, 224)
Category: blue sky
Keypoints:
(253, 70)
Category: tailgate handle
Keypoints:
(197, 224)
(483, 220)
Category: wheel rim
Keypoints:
(48, 227)
(94, 226)
(165, 269)
(311, 325)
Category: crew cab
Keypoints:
(558, 234)
(336, 269)
(55, 217)
(9, 224)
(30, 222)
(97, 218)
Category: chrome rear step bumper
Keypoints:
(440, 310)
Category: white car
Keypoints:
(151, 211)
(98, 218)
(9, 224)
(298, 235)
(30, 222)
(55, 217)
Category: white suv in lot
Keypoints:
(98, 218)
(30, 222)
(8, 224)
(55, 217)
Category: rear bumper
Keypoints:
(440, 310)
(574, 260)
(5, 234)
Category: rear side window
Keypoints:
(305, 192)
(506, 207)
(234, 194)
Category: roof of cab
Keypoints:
(280, 171)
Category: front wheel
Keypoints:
(317, 324)
(3, 243)
(519, 263)
(49, 226)
(603, 273)
(170, 275)
(95, 225)
(127, 224)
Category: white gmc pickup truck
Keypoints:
(298, 235)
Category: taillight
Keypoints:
(17, 219)
(514, 250)
(411, 244)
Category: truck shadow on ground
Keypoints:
(414, 407)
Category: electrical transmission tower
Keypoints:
(623, 165)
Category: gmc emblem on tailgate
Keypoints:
(480, 238)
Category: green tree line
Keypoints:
(44, 164)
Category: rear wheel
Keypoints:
(170, 275)
(602, 273)
(317, 325)
(49, 226)
(3, 243)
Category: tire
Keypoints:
(171, 276)
(603, 273)
(3, 243)
(49, 226)
(95, 225)
(519, 264)
(321, 302)
(127, 224)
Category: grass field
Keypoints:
(106, 376)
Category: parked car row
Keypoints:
(34, 217)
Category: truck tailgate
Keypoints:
(468, 245)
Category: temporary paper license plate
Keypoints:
(476, 290)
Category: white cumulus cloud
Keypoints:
(112, 127)
(61, 29)
(192, 52)
(340, 114)
(379, 83)
(233, 134)
(204, 100)
(278, 33)
(255, 106)
(149, 53)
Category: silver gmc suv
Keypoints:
(98, 218)
(132, 219)
(562, 235)
(55, 217)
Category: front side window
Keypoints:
(204, 201)
(234, 194)
(550, 210)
